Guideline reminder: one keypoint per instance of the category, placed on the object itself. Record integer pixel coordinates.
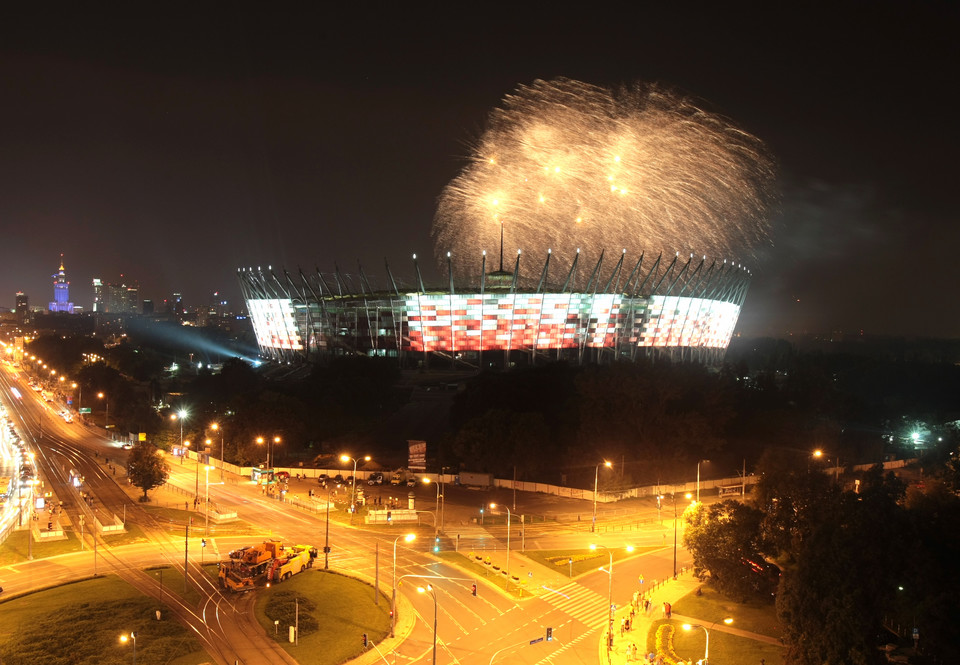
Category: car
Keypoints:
(338, 479)
(375, 479)
(126, 446)
(412, 481)
(282, 475)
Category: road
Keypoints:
(470, 629)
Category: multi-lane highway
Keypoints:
(470, 629)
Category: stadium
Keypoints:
(672, 307)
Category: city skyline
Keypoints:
(178, 152)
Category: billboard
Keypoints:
(417, 458)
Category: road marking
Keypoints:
(584, 605)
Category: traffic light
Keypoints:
(203, 542)
(473, 589)
(364, 639)
(389, 515)
(436, 544)
(549, 634)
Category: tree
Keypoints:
(146, 467)
(832, 601)
(725, 540)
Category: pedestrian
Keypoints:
(646, 606)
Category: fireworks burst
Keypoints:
(566, 165)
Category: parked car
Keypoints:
(375, 479)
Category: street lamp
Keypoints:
(216, 428)
(609, 594)
(674, 495)
(438, 526)
(131, 637)
(276, 440)
(353, 491)
(434, 594)
(699, 462)
(326, 542)
(409, 538)
(819, 454)
(206, 503)
(180, 415)
(261, 441)
(507, 508)
(106, 411)
(706, 650)
(76, 386)
(596, 483)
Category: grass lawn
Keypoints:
(480, 570)
(725, 649)
(334, 612)
(81, 623)
(712, 607)
(15, 548)
(584, 561)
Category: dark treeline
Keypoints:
(551, 422)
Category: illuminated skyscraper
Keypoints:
(23, 309)
(61, 292)
(119, 298)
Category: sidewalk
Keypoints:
(669, 591)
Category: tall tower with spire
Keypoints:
(61, 292)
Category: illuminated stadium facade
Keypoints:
(681, 309)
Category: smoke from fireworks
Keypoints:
(564, 165)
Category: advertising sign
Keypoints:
(417, 460)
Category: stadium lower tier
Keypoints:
(466, 325)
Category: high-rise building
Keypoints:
(23, 309)
(61, 292)
(119, 298)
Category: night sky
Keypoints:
(176, 146)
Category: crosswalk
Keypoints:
(584, 605)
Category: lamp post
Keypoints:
(272, 461)
(596, 486)
(106, 410)
(353, 491)
(507, 508)
(434, 594)
(260, 442)
(206, 504)
(76, 386)
(216, 428)
(410, 537)
(609, 594)
(706, 650)
(180, 415)
(326, 541)
(699, 462)
(437, 526)
(131, 637)
(674, 495)
(819, 454)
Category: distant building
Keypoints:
(22, 309)
(61, 292)
(147, 307)
(122, 298)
